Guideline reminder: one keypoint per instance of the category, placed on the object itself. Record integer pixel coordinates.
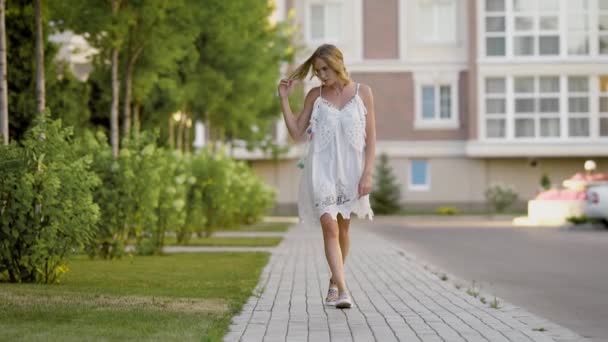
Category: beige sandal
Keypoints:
(332, 294)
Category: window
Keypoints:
(578, 106)
(419, 175)
(495, 27)
(603, 105)
(436, 21)
(603, 27)
(578, 27)
(536, 27)
(437, 106)
(496, 107)
(544, 107)
(537, 106)
(325, 21)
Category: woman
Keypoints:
(338, 120)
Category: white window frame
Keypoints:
(495, 116)
(593, 115)
(509, 14)
(600, 34)
(435, 39)
(586, 115)
(308, 31)
(419, 187)
(436, 81)
(536, 33)
(601, 115)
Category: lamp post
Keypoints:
(173, 119)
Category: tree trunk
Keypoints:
(126, 111)
(136, 119)
(180, 132)
(114, 108)
(187, 137)
(3, 83)
(115, 92)
(40, 91)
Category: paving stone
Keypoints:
(396, 298)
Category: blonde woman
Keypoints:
(338, 121)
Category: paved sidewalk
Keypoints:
(396, 299)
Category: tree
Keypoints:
(3, 83)
(386, 194)
(106, 24)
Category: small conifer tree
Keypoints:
(386, 195)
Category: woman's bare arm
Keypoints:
(297, 124)
(370, 130)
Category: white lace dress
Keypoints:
(334, 162)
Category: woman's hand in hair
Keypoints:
(285, 87)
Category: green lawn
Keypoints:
(228, 241)
(179, 297)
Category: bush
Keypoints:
(500, 197)
(545, 182)
(447, 211)
(175, 183)
(386, 195)
(46, 203)
(231, 193)
(129, 193)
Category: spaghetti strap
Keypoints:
(320, 91)
(357, 91)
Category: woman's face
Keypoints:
(326, 74)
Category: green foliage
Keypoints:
(172, 210)
(500, 197)
(545, 182)
(129, 193)
(386, 194)
(231, 194)
(46, 204)
(447, 211)
(582, 219)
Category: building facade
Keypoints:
(468, 93)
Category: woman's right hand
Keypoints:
(285, 87)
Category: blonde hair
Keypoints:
(331, 55)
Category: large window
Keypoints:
(419, 178)
(325, 22)
(496, 28)
(545, 107)
(496, 107)
(603, 27)
(537, 28)
(436, 21)
(578, 27)
(537, 106)
(603, 105)
(578, 106)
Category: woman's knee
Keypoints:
(330, 227)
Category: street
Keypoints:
(557, 273)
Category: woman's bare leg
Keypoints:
(343, 225)
(332, 250)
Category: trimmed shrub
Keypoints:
(500, 197)
(46, 203)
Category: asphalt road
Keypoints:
(556, 273)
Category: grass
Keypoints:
(263, 227)
(176, 297)
(228, 241)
